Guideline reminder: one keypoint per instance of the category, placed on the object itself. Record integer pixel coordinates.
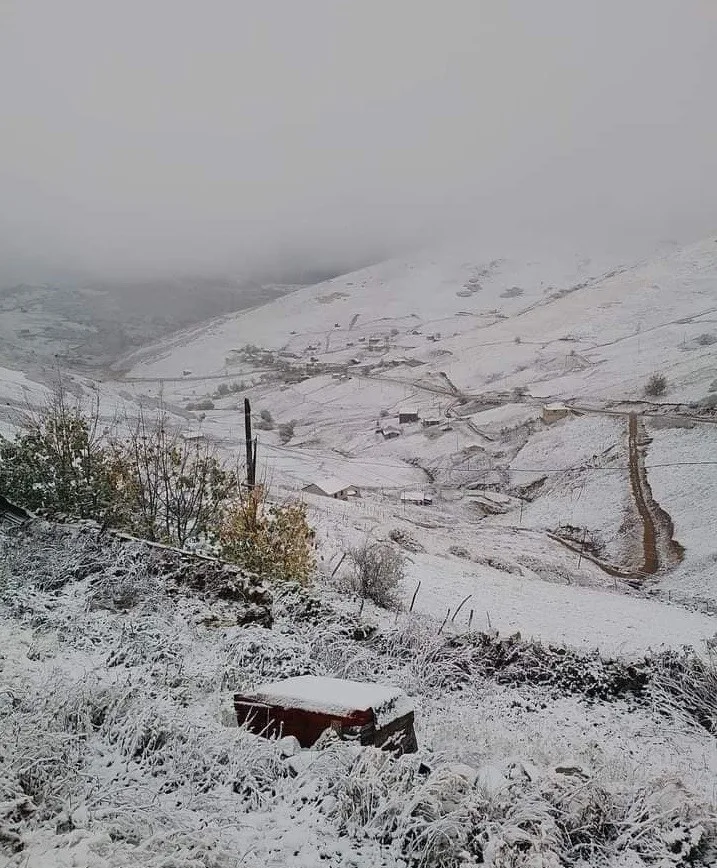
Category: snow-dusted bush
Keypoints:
(405, 539)
(656, 386)
(377, 571)
(154, 481)
(169, 488)
(60, 462)
(286, 431)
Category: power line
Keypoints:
(297, 453)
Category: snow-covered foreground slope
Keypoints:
(117, 746)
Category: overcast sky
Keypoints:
(152, 136)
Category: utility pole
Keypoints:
(250, 448)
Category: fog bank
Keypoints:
(163, 137)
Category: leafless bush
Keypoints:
(459, 552)
(656, 386)
(169, 486)
(377, 571)
(266, 421)
(286, 431)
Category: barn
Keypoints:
(554, 412)
(407, 416)
(418, 498)
(336, 488)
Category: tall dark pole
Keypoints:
(250, 448)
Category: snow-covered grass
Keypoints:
(115, 748)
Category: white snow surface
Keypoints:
(335, 696)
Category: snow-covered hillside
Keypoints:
(478, 348)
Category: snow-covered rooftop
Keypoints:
(332, 485)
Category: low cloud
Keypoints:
(172, 137)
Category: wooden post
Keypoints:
(336, 568)
(250, 448)
(582, 547)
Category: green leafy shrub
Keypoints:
(59, 463)
(272, 540)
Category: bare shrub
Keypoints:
(378, 569)
(169, 487)
(656, 386)
(405, 539)
(266, 421)
(706, 339)
(286, 431)
(459, 552)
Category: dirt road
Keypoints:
(660, 549)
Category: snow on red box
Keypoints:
(306, 706)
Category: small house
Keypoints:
(407, 416)
(417, 498)
(554, 412)
(431, 421)
(334, 488)
(390, 432)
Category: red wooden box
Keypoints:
(307, 706)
